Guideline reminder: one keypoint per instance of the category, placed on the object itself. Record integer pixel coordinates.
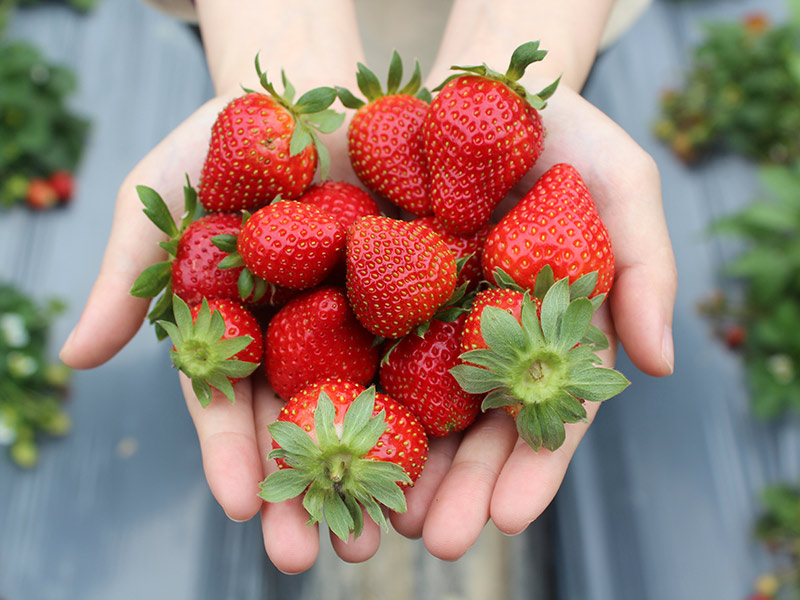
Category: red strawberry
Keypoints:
(291, 244)
(416, 372)
(266, 145)
(398, 274)
(462, 247)
(384, 138)
(537, 359)
(316, 337)
(344, 200)
(345, 448)
(482, 134)
(555, 224)
(40, 194)
(63, 183)
(215, 344)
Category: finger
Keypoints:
(460, 507)
(231, 458)
(364, 547)
(133, 244)
(290, 543)
(420, 496)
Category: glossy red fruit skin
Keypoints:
(386, 150)
(238, 321)
(404, 442)
(315, 337)
(347, 202)
(480, 139)
(417, 373)
(248, 162)
(508, 300)
(398, 274)
(291, 244)
(557, 224)
(461, 246)
(195, 274)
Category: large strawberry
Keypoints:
(266, 145)
(385, 136)
(416, 372)
(345, 448)
(482, 134)
(399, 274)
(541, 365)
(315, 337)
(347, 202)
(555, 224)
(215, 344)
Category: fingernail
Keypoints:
(668, 348)
(236, 520)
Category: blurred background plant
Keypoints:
(32, 387)
(41, 138)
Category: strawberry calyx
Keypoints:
(543, 366)
(370, 86)
(332, 469)
(312, 116)
(157, 278)
(200, 351)
(251, 288)
(522, 57)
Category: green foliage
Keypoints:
(779, 529)
(767, 271)
(740, 94)
(32, 387)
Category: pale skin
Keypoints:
(486, 473)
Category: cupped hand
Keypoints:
(489, 472)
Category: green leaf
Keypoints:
(337, 516)
(358, 415)
(575, 323)
(531, 325)
(551, 426)
(548, 92)
(326, 121)
(568, 408)
(232, 261)
(499, 398)
(349, 100)
(522, 57)
(246, 283)
(236, 369)
(183, 315)
(324, 415)
(596, 338)
(368, 83)
(231, 346)
(152, 280)
(502, 332)
(202, 323)
(372, 507)
(395, 74)
(595, 384)
(475, 380)
(288, 88)
(283, 484)
(203, 392)
(293, 439)
(355, 513)
(323, 159)
(156, 210)
(544, 281)
(315, 100)
(227, 242)
(413, 87)
(301, 138)
(385, 489)
(554, 305)
(486, 359)
(583, 286)
(223, 384)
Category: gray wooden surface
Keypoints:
(657, 503)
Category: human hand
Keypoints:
(489, 472)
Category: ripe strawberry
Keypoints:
(416, 372)
(482, 134)
(215, 344)
(40, 194)
(555, 224)
(345, 448)
(537, 360)
(344, 200)
(384, 138)
(469, 249)
(398, 274)
(63, 183)
(266, 145)
(315, 337)
(291, 244)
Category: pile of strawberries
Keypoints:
(446, 313)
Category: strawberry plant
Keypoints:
(740, 93)
(32, 387)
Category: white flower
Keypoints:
(13, 330)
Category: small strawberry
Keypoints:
(288, 244)
(215, 344)
(315, 337)
(384, 138)
(555, 224)
(468, 248)
(416, 372)
(398, 274)
(482, 133)
(41, 195)
(540, 366)
(63, 182)
(266, 145)
(345, 448)
(347, 202)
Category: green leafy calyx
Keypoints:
(200, 351)
(370, 86)
(544, 365)
(332, 470)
